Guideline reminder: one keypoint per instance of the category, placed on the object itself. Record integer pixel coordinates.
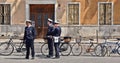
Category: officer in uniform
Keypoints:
(29, 36)
(56, 35)
(49, 38)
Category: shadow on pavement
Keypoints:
(41, 56)
(16, 58)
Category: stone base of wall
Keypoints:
(10, 30)
(111, 31)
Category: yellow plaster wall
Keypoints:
(89, 11)
(17, 10)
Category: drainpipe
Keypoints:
(97, 36)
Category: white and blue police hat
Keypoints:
(29, 21)
(56, 22)
(50, 20)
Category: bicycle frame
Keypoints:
(89, 48)
(10, 46)
(62, 44)
(65, 48)
(11, 42)
(109, 46)
(17, 48)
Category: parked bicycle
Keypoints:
(7, 48)
(108, 48)
(77, 48)
(65, 47)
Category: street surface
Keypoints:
(84, 58)
(18, 58)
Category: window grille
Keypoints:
(5, 14)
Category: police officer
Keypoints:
(49, 38)
(29, 36)
(56, 35)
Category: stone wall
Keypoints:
(10, 30)
(74, 31)
(91, 31)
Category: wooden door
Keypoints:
(39, 13)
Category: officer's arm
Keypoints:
(53, 30)
(24, 34)
(50, 29)
(58, 31)
(34, 32)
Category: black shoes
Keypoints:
(48, 56)
(56, 58)
(26, 58)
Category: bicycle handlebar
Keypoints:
(12, 37)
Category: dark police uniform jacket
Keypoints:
(57, 31)
(29, 33)
(50, 30)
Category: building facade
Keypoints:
(88, 18)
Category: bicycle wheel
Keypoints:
(6, 49)
(76, 49)
(100, 50)
(118, 50)
(44, 49)
(65, 49)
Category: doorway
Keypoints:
(39, 14)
